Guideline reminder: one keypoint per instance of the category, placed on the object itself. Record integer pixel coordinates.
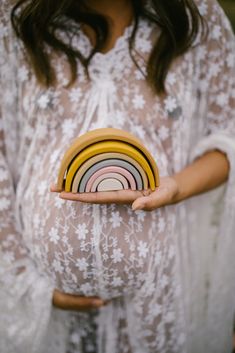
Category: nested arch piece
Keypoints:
(103, 178)
(112, 169)
(107, 135)
(112, 162)
(107, 159)
(109, 184)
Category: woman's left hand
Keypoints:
(146, 200)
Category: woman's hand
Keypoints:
(146, 200)
(204, 174)
(73, 302)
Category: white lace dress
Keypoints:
(169, 273)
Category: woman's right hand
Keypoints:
(76, 303)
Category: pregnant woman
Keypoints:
(153, 271)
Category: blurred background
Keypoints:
(229, 8)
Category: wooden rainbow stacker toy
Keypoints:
(107, 159)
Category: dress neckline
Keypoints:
(120, 41)
(118, 60)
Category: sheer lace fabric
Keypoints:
(162, 270)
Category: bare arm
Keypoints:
(205, 174)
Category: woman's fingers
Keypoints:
(149, 203)
(162, 196)
(54, 187)
(78, 303)
(146, 200)
(118, 197)
(101, 197)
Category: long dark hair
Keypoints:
(36, 23)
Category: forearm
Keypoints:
(206, 173)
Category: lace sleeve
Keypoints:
(217, 83)
(216, 118)
(25, 295)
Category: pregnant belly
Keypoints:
(105, 250)
(90, 249)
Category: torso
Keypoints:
(92, 249)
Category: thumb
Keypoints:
(140, 203)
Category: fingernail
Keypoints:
(63, 195)
(97, 302)
(136, 207)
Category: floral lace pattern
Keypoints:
(132, 258)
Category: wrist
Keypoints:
(180, 194)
